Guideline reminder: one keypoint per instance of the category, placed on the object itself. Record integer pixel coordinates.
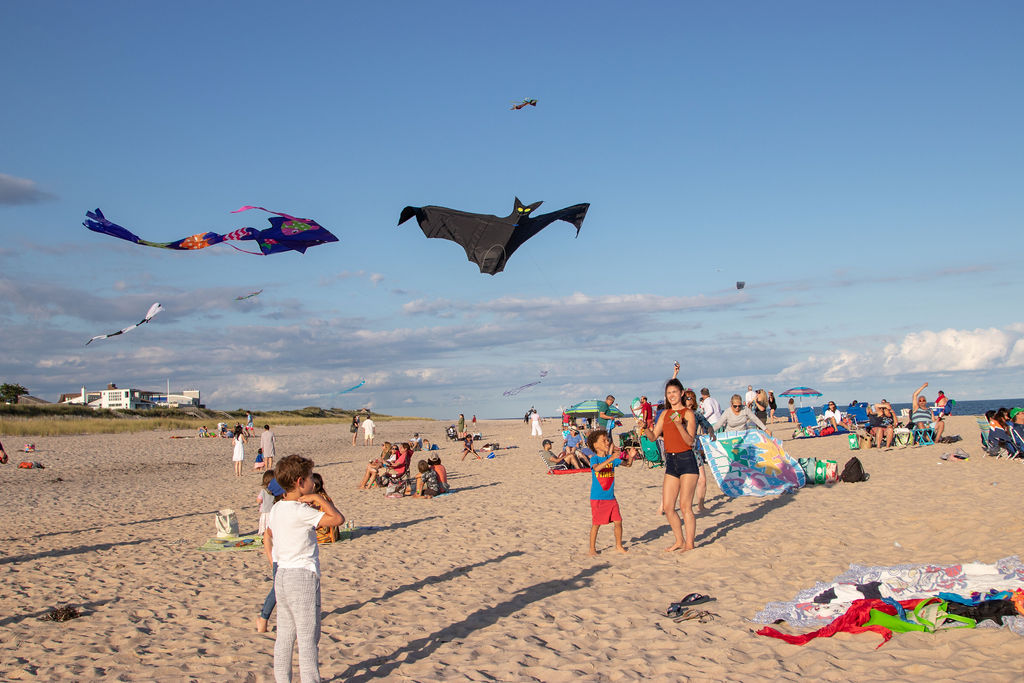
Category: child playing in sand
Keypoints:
(427, 483)
(291, 539)
(265, 501)
(442, 474)
(603, 506)
(259, 464)
(467, 447)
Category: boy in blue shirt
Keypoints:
(603, 506)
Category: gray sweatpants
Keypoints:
(298, 618)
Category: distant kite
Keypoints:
(287, 233)
(513, 392)
(525, 103)
(489, 240)
(361, 383)
(249, 295)
(543, 373)
(153, 310)
(741, 285)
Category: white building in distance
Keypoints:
(116, 398)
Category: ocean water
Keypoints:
(979, 407)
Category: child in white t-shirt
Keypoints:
(290, 543)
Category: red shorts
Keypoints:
(604, 511)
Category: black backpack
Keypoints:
(853, 471)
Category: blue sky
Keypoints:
(858, 165)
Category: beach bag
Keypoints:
(808, 465)
(353, 428)
(854, 442)
(227, 523)
(902, 436)
(831, 471)
(853, 471)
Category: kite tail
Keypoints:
(245, 251)
(246, 208)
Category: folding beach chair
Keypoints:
(652, 454)
(923, 436)
(858, 413)
(983, 426)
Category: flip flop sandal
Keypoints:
(675, 610)
(688, 615)
(695, 599)
(705, 617)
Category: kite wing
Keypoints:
(249, 295)
(489, 240)
(287, 233)
(153, 310)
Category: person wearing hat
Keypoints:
(558, 461)
(1016, 425)
(574, 444)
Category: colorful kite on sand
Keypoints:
(489, 240)
(153, 310)
(249, 295)
(287, 233)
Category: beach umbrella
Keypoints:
(800, 392)
(591, 408)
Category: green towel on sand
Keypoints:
(250, 542)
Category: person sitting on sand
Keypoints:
(442, 474)
(3, 455)
(372, 467)
(259, 464)
(921, 417)
(565, 460)
(574, 444)
(427, 483)
(417, 442)
(202, 432)
(833, 416)
(737, 417)
(999, 435)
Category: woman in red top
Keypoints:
(677, 426)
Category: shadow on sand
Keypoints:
(421, 648)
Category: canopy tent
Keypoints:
(592, 408)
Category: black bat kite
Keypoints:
(489, 240)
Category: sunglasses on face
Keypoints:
(737, 405)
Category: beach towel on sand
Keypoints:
(823, 603)
(246, 542)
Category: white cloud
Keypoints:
(926, 351)
(15, 190)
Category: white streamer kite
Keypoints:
(153, 310)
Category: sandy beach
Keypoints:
(490, 583)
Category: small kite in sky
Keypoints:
(741, 285)
(543, 373)
(525, 103)
(287, 233)
(153, 310)
(345, 391)
(489, 241)
(249, 295)
(513, 392)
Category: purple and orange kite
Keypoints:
(287, 233)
